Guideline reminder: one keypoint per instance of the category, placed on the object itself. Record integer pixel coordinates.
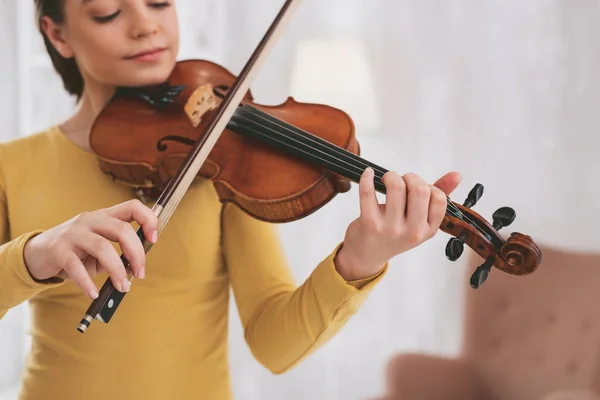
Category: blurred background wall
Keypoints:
(506, 92)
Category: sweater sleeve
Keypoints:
(283, 322)
(16, 284)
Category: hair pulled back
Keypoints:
(66, 67)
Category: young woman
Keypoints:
(63, 223)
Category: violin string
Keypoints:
(289, 140)
(332, 148)
(352, 174)
(452, 209)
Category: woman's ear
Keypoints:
(56, 36)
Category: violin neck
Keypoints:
(251, 122)
(256, 124)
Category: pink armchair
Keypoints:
(526, 338)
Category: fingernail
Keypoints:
(142, 273)
(126, 285)
(154, 236)
(93, 294)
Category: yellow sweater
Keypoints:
(168, 339)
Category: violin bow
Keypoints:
(109, 298)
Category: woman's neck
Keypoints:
(77, 128)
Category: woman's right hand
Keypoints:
(81, 247)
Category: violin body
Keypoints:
(268, 184)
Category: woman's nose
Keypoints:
(143, 24)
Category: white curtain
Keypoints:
(12, 332)
(505, 92)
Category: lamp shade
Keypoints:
(337, 73)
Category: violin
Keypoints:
(278, 163)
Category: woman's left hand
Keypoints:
(413, 213)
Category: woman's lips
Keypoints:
(148, 56)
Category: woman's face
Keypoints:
(119, 42)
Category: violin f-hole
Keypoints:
(161, 146)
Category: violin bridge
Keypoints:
(199, 102)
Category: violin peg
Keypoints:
(454, 249)
(502, 217)
(455, 246)
(481, 273)
(474, 196)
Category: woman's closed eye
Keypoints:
(162, 4)
(106, 18)
(110, 17)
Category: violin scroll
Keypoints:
(517, 255)
(521, 254)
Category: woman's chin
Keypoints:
(148, 76)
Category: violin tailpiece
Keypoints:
(200, 101)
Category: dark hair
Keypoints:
(66, 67)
